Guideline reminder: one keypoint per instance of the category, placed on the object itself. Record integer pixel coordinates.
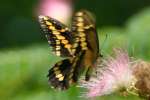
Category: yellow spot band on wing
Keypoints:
(80, 29)
(58, 48)
(79, 14)
(88, 27)
(62, 30)
(84, 44)
(59, 75)
(61, 78)
(80, 24)
(77, 40)
(64, 41)
(59, 37)
(58, 53)
(80, 19)
(45, 18)
(56, 32)
(82, 39)
(68, 46)
(52, 28)
(57, 42)
(75, 45)
(55, 68)
(84, 48)
(57, 72)
(81, 34)
(48, 23)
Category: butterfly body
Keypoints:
(79, 45)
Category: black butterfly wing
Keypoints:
(64, 73)
(58, 35)
(84, 30)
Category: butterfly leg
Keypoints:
(88, 73)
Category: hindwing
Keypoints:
(65, 73)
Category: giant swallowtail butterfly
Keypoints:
(79, 44)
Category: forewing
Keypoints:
(84, 32)
(58, 35)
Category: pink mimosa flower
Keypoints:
(112, 75)
(58, 9)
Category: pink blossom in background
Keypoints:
(113, 75)
(58, 9)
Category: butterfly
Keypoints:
(78, 44)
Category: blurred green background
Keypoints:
(25, 57)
